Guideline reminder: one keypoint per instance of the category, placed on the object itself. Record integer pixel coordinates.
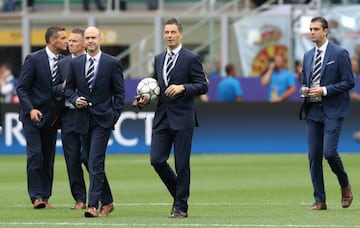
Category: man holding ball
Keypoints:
(181, 78)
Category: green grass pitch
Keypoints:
(226, 191)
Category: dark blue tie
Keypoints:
(315, 77)
(90, 73)
(169, 64)
(54, 71)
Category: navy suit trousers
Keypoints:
(73, 155)
(40, 149)
(94, 145)
(323, 138)
(178, 182)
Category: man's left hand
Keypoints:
(174, 90)
(316, 92)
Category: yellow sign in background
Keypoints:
(15, 37)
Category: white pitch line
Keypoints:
(174, 225)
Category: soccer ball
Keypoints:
(356, 136)
(149, 88)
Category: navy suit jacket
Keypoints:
(35, 88)
(64, 69)
(106, 97)
(336, 76)
(180, 109)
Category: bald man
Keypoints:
(96, 89)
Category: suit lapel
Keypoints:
(160, 66)
(98, 73)
(327, 55)
(80, 67)
(44, 61)
(178, 60)
(310, 62)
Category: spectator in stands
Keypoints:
(8, 5)
(298, 69)
(7, 84)
(216, 69)
(229, 88)
(31, 5)
(99, 5)
(280, 81)
(354, 95)
(357, 55)
(256, 3)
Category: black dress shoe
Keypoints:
(175, 213)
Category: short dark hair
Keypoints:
(52, 32)
(229, 67)
(78, 31)
(322, 20)
(174, 21)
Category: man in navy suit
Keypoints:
(181, 78)
(37, 91)
(70, 139)
(96, 88)
(327, 79)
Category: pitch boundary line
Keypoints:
(173, 225)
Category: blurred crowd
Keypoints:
(279, 81)
(7, 84)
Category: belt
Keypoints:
(69, 108)
(319, 103)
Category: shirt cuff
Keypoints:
(324, 91)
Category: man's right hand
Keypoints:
(141, 101)
(81, 102)
(35, 115)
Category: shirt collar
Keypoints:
(73, 56)
(50, 54)
(96, 57)
(176, 50)
(323, 47)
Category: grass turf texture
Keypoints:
(226, 191)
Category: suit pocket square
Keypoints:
(331, 62)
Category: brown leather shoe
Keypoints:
(48, 206)
(346, 197)
(175, 213)
(91, 212)
(105, 210)
(318, 206)
(38, 204)
(79, 206)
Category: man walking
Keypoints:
(327, 79)
(35, 90)
(96, 89)
(70, 139)
(181, 78)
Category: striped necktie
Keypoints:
(169, 64)
(315, 77)
(54, 71)
(90, 73)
